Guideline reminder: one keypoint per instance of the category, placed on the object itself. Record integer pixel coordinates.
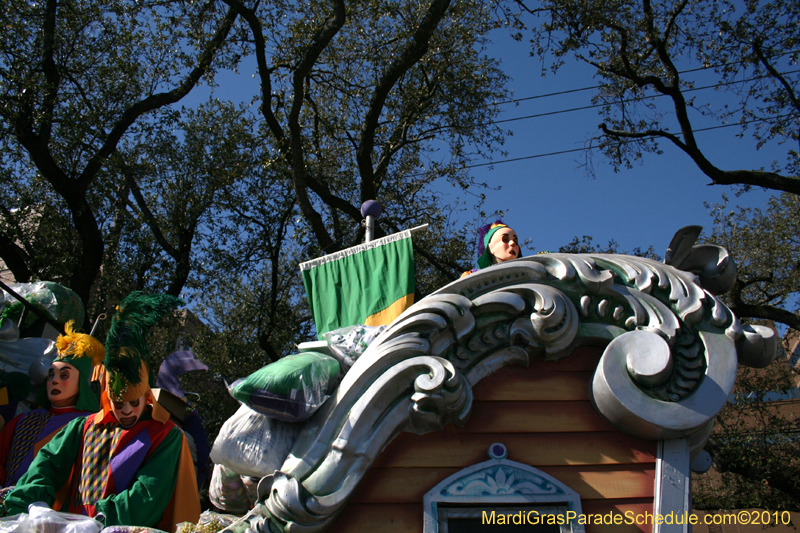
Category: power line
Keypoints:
(559, 93)
(560, 152)
(568, 91)
(582, 108)
(593, 106)
(527, 157)
(573, 150)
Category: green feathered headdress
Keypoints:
(127, 355)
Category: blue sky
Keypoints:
(551, 199)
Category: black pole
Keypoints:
(30, 307)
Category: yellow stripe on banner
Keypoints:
(4, 396)
(386, 316)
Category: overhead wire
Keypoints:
(569, 91)
(583, 108)
(560, 152)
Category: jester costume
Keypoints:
(174, 365)
(139, 474)
(23, 437)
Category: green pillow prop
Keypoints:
(290, 389)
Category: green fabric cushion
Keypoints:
(290, 389)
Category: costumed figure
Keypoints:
(66, 395)
(129, 461)
(188, 419)
(497, 243)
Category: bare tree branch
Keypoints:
(743, 309)
(415, 49)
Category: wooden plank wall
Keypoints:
(543, 416)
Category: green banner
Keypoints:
(367, 284)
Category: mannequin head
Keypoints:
(82, 353)
(128, 413)
(497, 243)
(63, 384)
(504, 245)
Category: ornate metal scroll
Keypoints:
(667, 369)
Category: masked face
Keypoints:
(504, 245)
(63, 383)
(128, 413)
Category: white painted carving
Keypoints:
(500, 482)
(417, 375)
(497, 482)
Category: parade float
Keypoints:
(578, 386)
(547, 393)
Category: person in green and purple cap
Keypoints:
(497, 243)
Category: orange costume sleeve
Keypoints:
(184, 506)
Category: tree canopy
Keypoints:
(112, 187)
(642, 50)
(754, 446)
(75, 78)
(766, 246)
(652, 58)
(114, 182)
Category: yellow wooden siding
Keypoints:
(453, 449)
(407, 517)
(543, 416)
(409, 485)
(379, 518)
